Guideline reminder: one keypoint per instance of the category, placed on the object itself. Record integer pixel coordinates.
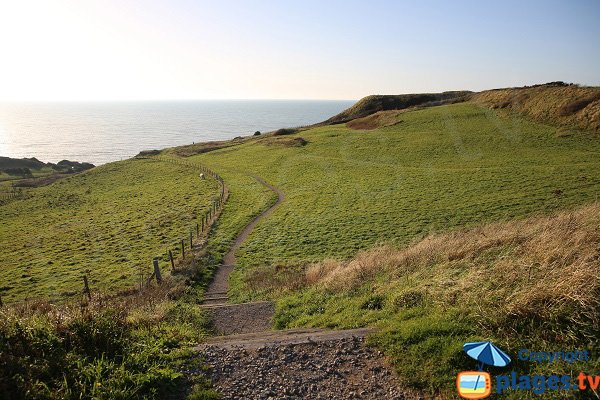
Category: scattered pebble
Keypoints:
(335, 369)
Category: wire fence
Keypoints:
(183, 247)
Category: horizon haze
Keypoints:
(95, 50)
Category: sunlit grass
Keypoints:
(109, 223)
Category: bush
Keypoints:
(257, 133)
(98, 355)
(577, 105)
(285, 131)
(374, 302)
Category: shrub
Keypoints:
(374, 302)
(285, 131)
(408, 299)
(577, 105)
(51, 353)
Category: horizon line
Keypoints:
(162, 100)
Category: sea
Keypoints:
(101, 132)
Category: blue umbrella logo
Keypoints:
(487, 354)
(477, 385)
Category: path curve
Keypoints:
(220, 285)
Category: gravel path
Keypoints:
(333, 369)
(231, 319)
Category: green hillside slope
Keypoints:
(109, 223)
(440, 168)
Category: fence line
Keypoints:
(203, 223)
(14, 194)
(201, 227)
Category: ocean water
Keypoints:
(104, 132)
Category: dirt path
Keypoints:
(229, 258)
(217, 290)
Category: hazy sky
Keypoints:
(176, 49)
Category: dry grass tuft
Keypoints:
(144, 306)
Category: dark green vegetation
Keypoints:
(372, 104)
(115, 350)
(13, 169)
(108, 222)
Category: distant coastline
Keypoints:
(103, 132)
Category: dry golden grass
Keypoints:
(557, 104)
(537, 269)
(147, 306)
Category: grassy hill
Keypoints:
(568, 106)
(372, 104)
(440, 168)
(108, 222)
(437, 170)
(436, 223)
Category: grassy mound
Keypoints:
(199, 148)
(556, 103)
(372, 104)
(378, 120)
(109, 223)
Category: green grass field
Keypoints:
(439, 169)
(109, 223)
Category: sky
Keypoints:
(87, 50)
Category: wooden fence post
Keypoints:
(86, 287)
(182, 248)
(197, 230)
(203, 223)
(157, 270)
(172, 261)
(191, 240)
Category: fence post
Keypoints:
(203, 223)
(197, 230)
(191, 240)
(182, 248)
(172, 261)
(157, 270)
(86, 287)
